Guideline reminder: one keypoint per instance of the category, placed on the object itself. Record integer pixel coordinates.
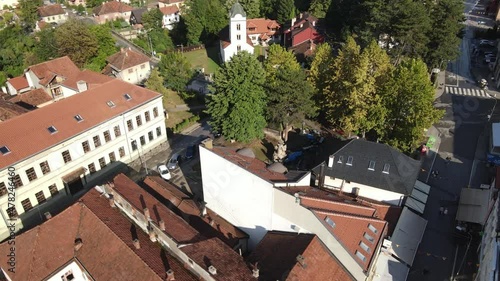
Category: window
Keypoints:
(112, 156)
(118, 132)
(238, 26)
(138, 120)
(143, 66)
(130, 70)
(97, 141)
(45, 167)
(102, 162)
(40, 197)
(129, 125)
(66, 156)
(78, 118)
(364, 247)
(238, 48)
(360, 256)
(52, 129)
(107, 136)
(17, 181)
(386, 168)
(341, 160)
(110, 104)
(371, 166)
(91, 168)
(86, 146)
(12, 212)
(238, 37)
(147, 116)
(134, 145)
(368, 237)
(349, 161)
(53, 190)
(158, 131)
(143, 140)
(127, 97)
(121, 151)
(31, 174)
(4, 150)
(330, 222)
(150, 136)
(3, 189)
(372, 228)
(26, 203)
(155, 112)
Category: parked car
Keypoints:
(190, 151)
(216, 134)
(490, 59)
(174, 161)
(480, 22)
(164, 172)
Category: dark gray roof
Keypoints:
(237, 9)
(403, 170)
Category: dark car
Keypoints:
(190, 151)
(173, 163)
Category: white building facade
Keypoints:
(78, 152)
(490, 248)
(238, 40)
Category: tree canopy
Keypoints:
(29, 12)
(251, 7)
(74, 39)
(237, 107)
(175, 70)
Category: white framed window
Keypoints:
(372, 228)
(360, 256)
(364, 246)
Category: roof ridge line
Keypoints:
(339, 202)
(319, 210)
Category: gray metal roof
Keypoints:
(402, 170)
(237, 9)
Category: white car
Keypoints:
(164, 172)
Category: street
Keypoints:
(468, 110)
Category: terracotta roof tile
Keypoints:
(261, 26)
(252, 165)
(276, 255)
(112, 7)
(10, 110)
(46, 71)
(93, 79)
(230, 266)
(51, 10)
(19, 82)
(33, 98)
(28, 132)
(126, 58)
(169, 10)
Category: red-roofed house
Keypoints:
(128, 65)
(17, 85)
(303, 36)
(171, 16)
(112, 10)
(52, 14)
(263, 31)
(33, 99)
(10, 110)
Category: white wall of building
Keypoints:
(58, 168)
(72, 268)
(170, 20)
(490, 246)
(59, 19)
(367, 191)
(12, 3)
(237, 37)
(136, 74)
(113, 16)
(33, 80)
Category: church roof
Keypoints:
(237, 9)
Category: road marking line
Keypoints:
(469, 92)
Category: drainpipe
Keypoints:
(126, 137)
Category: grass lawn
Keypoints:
(175, 118)
(204, 58)
(171, 99)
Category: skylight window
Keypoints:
(364, 247)
(52, 129)
(4, 150)
(110, 104)
(127, 97)
(330, 222)
(341, 160)
(372, 228)
(360, 256)
(349, 161)
(369, 237)
(78, 118)
(386, 169)
(371, 166)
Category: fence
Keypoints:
(185, 49)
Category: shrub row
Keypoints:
(186, 122)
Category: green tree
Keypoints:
(175, 70)
(321, 71)
(290, 99)
(285, 11)
(94, 3)
(237, 107)
(277, 57)
(106, 47)
(268, 8)
(408, 96)
(29, 11)
(203, 19)
(152, 19)
(15, 47)
(155, 82)
(251, 7)
(319, 7)
(46, 48)
(74, 39)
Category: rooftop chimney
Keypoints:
(170, 275)
(146, 213)
(48, 215)
(162, 225)
(78, 243)
(136, 243)
(255, 272)
(111, 201)
(203, 207)
(301, 260)
(322, 175)
(82, 86)
(208, 143)
(152, 235)
(212, 270)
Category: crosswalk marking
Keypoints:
(479, 93)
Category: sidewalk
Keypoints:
(434, 141)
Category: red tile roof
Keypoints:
(252, 165)
(33, 98)
(169, 10)
(276, 255)
(126, 58)
(46, 71)
(19, 82)
(230, 266)
(112, 7)
(10, 110)
(93, 79)
(262, 26)
(107, 252)
(28, 133)
(51, 10)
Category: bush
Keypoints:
(179, 127)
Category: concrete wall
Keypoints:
(74, 268)
(59, 19)
(136, 74)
